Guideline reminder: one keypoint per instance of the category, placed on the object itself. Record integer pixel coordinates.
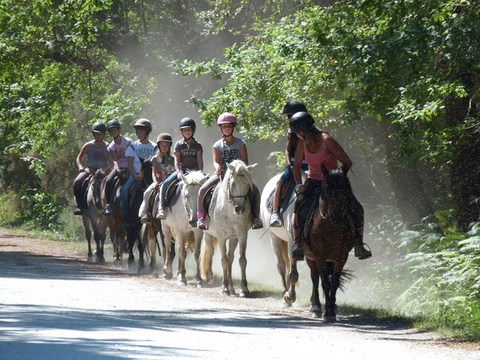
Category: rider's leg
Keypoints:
(255, 205)
(201, 221)
(77, 192)
(357, 213)
(143, 212)
(124, 197)
(298, 226)
(275, 219)
(163, 195)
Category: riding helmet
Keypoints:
(301, 122)
(164, 137)
(293, 106)
(99, 127)
(143, 123)
(113, 124)
(188, 123)
(226, 118)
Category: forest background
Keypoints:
(396, 82)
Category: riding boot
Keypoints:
(360, 251)
(297, 248)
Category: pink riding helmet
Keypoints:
(227, 118)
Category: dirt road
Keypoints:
(54, 305)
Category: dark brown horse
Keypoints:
(329, 240)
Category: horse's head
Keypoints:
(191, 185)
(336, 194)
(95, 187)
(146, 170)
(237, 184)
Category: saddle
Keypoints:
(207, 198)
(84, 190)
(285, 194)
(173, 193)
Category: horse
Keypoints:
(179, 225)
(281, 237)
(329, 240)
(114, 220)
(133, 224)
(93, 218)
(230, 219)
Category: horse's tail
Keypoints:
(145, 240)
(206, 255)
(345, 277)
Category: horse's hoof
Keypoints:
(167, 276)
(90, 259)
(199, 284)
(286, 305)
(244, 294)
(225, 291)
(329, 319)
(117, 262)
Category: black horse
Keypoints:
(132, 223)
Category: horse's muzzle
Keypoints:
(239, 209)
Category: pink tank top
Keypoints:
(315, 161)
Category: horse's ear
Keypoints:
(231, 167)
(183, 177)
(249, 167)
(324, 170)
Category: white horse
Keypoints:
(93, 218)
(230, 220)
(177, 227)
(281, 237)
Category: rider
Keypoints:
(116, 153)
(319, 148)
(96, 154)
(138, 151)
(163, 165)
(290, 108)
(188, 154)
(225, 150)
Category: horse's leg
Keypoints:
(102, 231)
(198, 234)
(315, 306)
(327, 285)
(140, 248)
(182, 254)
(278, 246)
(152, 245)
(130, 245)
(242, 260)
(290, 296)
(227, 267)
(88, 236)
(168, 258)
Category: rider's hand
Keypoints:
(299, 188)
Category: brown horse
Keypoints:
(329, 240)
(114, 219)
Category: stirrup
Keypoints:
(275, 220)
(77, 211)
(297, 252)
(361, 252)
(257, 224)
(202, 224)
(107, 210)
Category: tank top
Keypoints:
(228, 153)
(315, 161)
(97, 156)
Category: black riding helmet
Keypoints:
(301, 122)
(113, 124)
(99, 127)
(188, 123)
(293, 106)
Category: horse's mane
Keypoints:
(336, 180)
(195, 177)
(240, 169)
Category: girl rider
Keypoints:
(225, 150)
(95, 152)
(138, 151)
(188, 154)
(116, 153)
(319, 148)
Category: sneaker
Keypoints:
(147, 218)
(77, 211)
(107, 210)
(275, 220)
(202, 224)
(161, 214)
(297, 252)
(361, 253)
(257, 223)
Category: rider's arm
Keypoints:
(336, 149)
(217, 161)
(178, 162)
(297, 166)
(81, 155)
(200, 159)
(244, 154)
(287, 150)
